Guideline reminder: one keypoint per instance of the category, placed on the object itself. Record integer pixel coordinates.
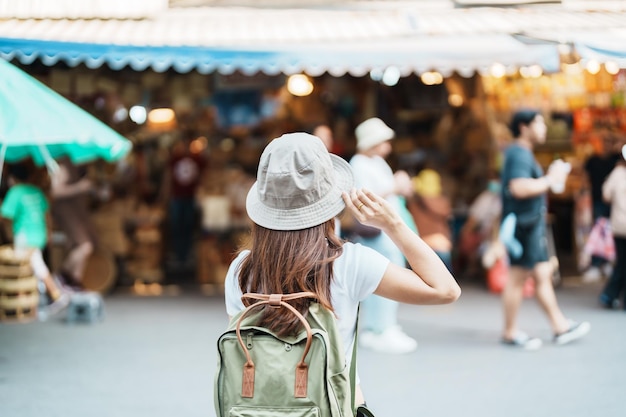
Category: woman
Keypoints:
(379, 316)
(614, 193)
(293, 247)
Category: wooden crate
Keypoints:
(19, 294)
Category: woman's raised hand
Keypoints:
(370, 209)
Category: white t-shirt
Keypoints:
(357, 273)
(375, 174)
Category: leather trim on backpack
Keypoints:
(302, 370)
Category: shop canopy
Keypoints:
(603, 46)
(465, 55)
(338, 41)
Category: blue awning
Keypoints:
(464, 54)
(604, 46)
(159, 58)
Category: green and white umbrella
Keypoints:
(38, 123)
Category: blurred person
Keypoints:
(183, 176)
(432, 211)
(614, 193)
(25, 204)
(300, 189)
(325, 133)
(381, 331)
(597, 168)
(524, 194)
(479, 229)
(70, 213)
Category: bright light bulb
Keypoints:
(455, 100)
(593, 67)
(535, 71)
(524, 72)
(161, 115)
(431, 78)
(498, 70)
(299, 85)
(376, 74)
(138, 114)
(391, 76)
(611, 67)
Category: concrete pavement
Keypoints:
(156, 357)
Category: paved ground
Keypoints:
(155, 357)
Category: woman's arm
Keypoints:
(429, 281)
(59, 187)
(608, 187)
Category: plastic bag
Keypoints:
(498, 274)
(599, 242)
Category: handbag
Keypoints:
(600, 241)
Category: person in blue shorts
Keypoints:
(524, 198)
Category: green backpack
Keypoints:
(262, 375)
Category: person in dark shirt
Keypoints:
(524, 190)
(184, 173)
(598, 167)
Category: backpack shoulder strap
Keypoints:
(353, 360)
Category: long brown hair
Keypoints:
(285, 262)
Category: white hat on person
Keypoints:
(372, 132)
(299, 184)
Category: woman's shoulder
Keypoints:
(359, 269)
(358, 159)
(350, 248)
(240, 257)
(355, 255)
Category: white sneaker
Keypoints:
(55, 307)
(592, 274)
(575, 331)
(524, 341)
(393, 340)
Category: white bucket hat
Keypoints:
(298, 185)
(372, 132)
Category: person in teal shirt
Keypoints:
(26, 206)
